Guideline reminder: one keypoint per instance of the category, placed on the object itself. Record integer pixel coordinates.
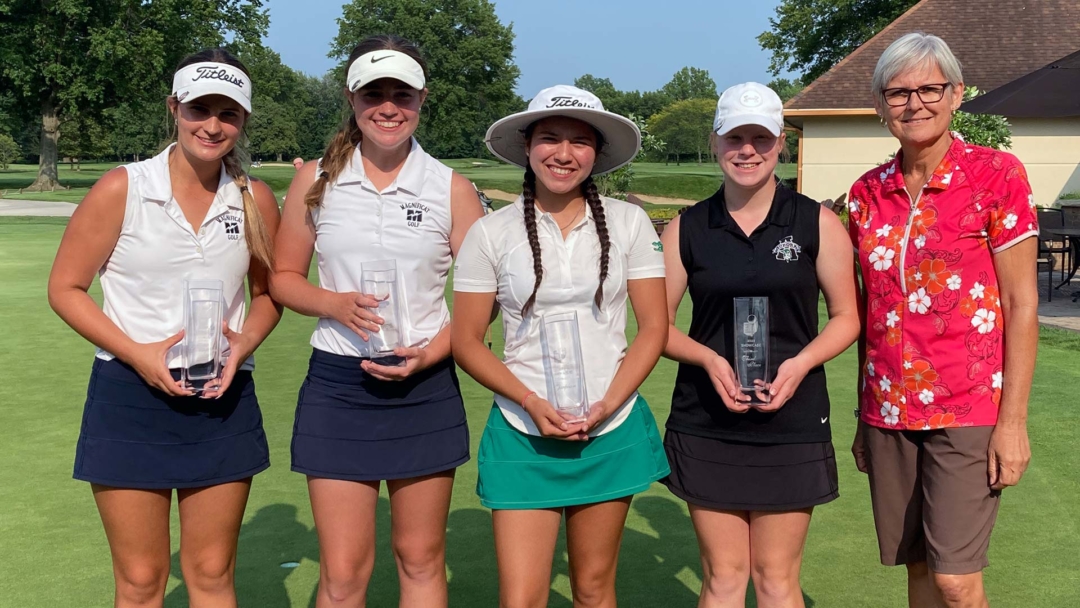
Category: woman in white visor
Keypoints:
(381, 398)
(144, 229)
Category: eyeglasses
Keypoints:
(928, 93)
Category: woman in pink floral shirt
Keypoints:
(944, 239)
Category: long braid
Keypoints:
(528, 198)
(337, 156)
(596, 205)
(258, 239)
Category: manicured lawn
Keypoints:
(55, 553)
(687, 181)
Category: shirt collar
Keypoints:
(779, 213)
(519, 204)
(893, 179)
(157, 186)
(410, 178)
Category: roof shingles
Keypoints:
(996, 41)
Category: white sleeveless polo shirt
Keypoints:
(409, 222)
(143, 279)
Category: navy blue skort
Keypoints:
(135, 436)
(353, 427)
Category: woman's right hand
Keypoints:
(354, 310)
(726, 384)
(148, 360)
(858, 448)
(550, 422)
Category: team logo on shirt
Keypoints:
(787, 250)
(658, 246)
(414, 213)
(232, 226)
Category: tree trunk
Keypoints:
(279, 158)
(50, 135)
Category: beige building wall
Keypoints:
(837, 150)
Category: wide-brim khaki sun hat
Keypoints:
(622, 139)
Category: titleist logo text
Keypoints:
(567, 102)
(206, 73)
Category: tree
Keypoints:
(470, 59)
(601, 87)
(9, 151)
(684, 126)
(135, 131)
(691, 83)
(811, 36)
(69, 58)
(982, 129)
(786, 89)
(324, 110)
(618, 182)
(271, 130)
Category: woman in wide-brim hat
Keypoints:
(562, 248)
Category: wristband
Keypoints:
(526, 398)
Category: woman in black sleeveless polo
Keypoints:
(752, 466)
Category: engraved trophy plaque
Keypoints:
(201, 352)
(379, 280)
(752, 347)
(564, 367)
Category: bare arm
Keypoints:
(88, 242)
(681, 347)
(472, 312)
(1010, 451)
(834, 266)
(647, 298)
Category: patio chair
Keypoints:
(1050, 244)
(1047, 259)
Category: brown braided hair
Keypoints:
(339, 151)
(255, 233)
(596, 206)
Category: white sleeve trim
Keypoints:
(647, 272)
(1022, 237)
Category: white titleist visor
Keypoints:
(210, 78)
(385, 64)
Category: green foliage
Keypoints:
(470, 59)
(691, 83)
(663, 212)
(786, 89)
(137, 133)
(72, 59)
(272, 130)
(982, 129)
(623, 102)
(324, 109)
(1070, 196)
(618, 183)
(811, 36)
(9, 151)
(684, 126)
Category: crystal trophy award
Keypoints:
(201, 353)
(564, 367)
(752, 347)
(379, 280)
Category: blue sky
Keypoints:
(638, 44)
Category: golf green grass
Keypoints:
(54, 551)
(687, 181)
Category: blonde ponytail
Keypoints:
(258, 240)
(337, 156)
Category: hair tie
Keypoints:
(244, 188)
(324, 175)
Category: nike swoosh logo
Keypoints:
(824, 420)
(376, 60)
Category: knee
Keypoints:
(594, 589)
(345, 580)
(421, 561)
(958, 589)
(208, 573)
(141, 584)
(522, 597)
(776, 583)
(725, 580)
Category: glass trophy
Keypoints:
(201, 352)
(379, 280)
(752, 347)
(564, 367)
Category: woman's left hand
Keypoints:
(415, 361)
(599, 411)
(238, 353)
(788, 378)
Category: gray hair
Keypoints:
(914, 51)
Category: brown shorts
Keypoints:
(931, 496)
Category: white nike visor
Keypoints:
(385, 64)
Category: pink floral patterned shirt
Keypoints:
(934, 327)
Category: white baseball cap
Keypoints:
(749, 103)
(385, 64)
(211, 78)
(622, 139)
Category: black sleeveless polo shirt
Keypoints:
(778, 261)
